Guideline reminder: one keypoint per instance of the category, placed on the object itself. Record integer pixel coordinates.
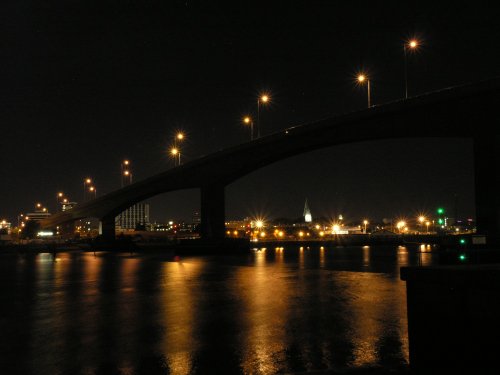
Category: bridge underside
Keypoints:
(456, 112)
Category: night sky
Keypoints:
(85, 84)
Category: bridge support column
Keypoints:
(213, 212)
(487, 181)
(107, 228)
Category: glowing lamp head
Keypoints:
(60, 195)
(126, 173)
(264, 98)
(413, 44)
(180, 136)
(361, 78)
(174, 151)
(126, 162)
(421, 219)
(88, 181)
(247, 120)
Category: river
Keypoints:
(278, 310)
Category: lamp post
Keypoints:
(176, 153)
(59, 197)
(93, 190)
(365, 222)
(179, 137)
(264, 98)
(124, 167)
(361, 80)
(248, 120)
(421, 220)
(86, 182)
(127, 175)
(411, 45)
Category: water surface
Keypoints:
(278, 310)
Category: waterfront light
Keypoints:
(401, 225)
(365, 223)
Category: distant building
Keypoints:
(307, 213)
(196, 219)
(65, 206)
(38, 215)
(136, 215)
(4, 224)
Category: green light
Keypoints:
(462, 257)
(462, 241)
(440, 211)
(440, 221)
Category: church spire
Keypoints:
(307, 213)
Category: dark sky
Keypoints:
(85, 84)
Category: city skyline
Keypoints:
(71, 115)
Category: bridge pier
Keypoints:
(213, 212)
(107, 228)
(487, 184)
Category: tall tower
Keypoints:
(307, 213)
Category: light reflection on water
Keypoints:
(291, 309)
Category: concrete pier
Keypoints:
(453, 318)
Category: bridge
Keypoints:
(468, 111)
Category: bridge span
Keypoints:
(468, 111)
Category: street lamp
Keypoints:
(427, 223)
(128, 175)
(124, 167)
(264, 98)
(411, 45)
(86, 182)
(176, 153)
(93, 190)
(362, 78)
(400, 225)
(365, 222)
(60, 195)
(248, 120)
(179, 136)
(421, 220)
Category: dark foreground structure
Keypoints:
(453, 324)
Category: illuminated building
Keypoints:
(136, 215)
